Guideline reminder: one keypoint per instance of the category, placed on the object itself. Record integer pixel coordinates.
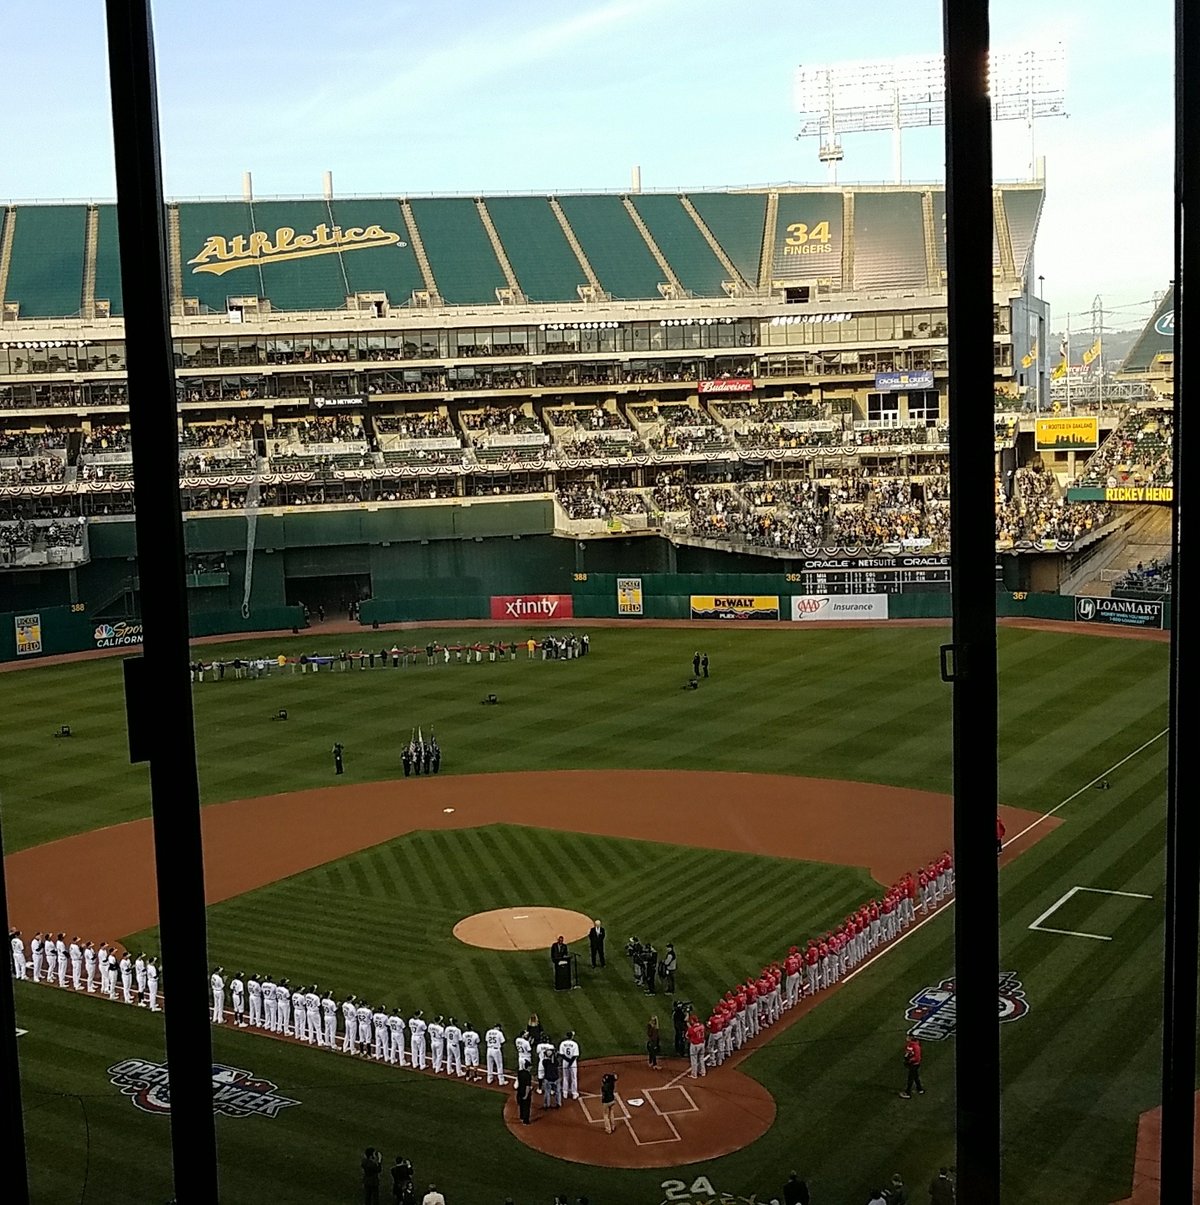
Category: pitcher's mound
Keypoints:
(521, 928)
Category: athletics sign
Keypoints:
(220, 255)
(1124, 612)
(236, 1093)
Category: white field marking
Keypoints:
(1086, 786)
(447, 810)
(627, 1118)
(1037, 924)
(520, 916)
(22, 1032)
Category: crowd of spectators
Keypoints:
(36, 470)
(320, 429)
(589, 446)
(103, 439)
(204, 464)
(501, 420)
(784, 437)
(1142, 579)
(235, 432)
(583, 419)
(1138, 452)
(1038, 519)
(27, 443)
(584, 500)
(431, 425)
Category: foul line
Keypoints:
(1075, 795)
(1040, 928)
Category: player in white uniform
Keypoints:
(218, 992)
(60, 951)
(544, 1050)
(269, 1008)
(152, 985)
(256, 1009)
(139, 975)
(350, 1017)
(299, 1017)
(437, 1042)
(395, 1025)
(127, 978)
(470, 1051)
(20, 967)
(495, 1053)
(36, 953)
(51, 952)
(112, 973)
(379, 1019)
(283, 1008)
(329, 1008)
(568, 1048)
(89, 966)
(524, 1050)
(237, 992)
(453, 1049)
(312, 1006)
(76, 956)
(364, 1030)
(416, 1044)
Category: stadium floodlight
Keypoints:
(894, 94)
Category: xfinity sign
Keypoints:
(532, 606)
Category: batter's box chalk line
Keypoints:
(1038, 927)
(627, 1118)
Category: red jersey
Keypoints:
(695, 1033)
(911, 888)
(912, 1053)
(716, 1023)
(765, 986)
(889, 905)
(741, 1000)
(751, 993)
(874, 910)
(812, 956)
(792, 966)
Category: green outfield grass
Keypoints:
(867, 704)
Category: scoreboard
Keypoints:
(872, 575)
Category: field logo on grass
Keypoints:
(110, 635)
(934, 1011)
(236, 1093)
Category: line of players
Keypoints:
(745, 1010)
(52, 960)
(441, 1045)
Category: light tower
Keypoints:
(895, 94)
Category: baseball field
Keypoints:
(804, 776)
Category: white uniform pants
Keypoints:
(152, 993)
(381, 1042)
(330, 1030)
(417, 1046)
(348, 1038)
(62, 972)
(20, 966)
(284, 1014)
(453, 1059)
(438, 1050)
(76, 972)
(696, 1054)
(495, 1064)
(793, 989)
(218, 1015)
(314, 1027)
(37, 966)
(300, 1024)
(256, 1010)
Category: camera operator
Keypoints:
(679, 1018)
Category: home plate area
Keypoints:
(662, 1118)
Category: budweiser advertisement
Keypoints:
(532, 606)
(727, 385)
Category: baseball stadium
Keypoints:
(558, 562)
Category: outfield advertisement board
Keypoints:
(29, 634)
(532, 606)
(1076, 434)
(808, 607)
(1124, 612)
(629, 596)
(735, 606)
(891, 382)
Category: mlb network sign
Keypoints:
(533, 606)
(839, 606)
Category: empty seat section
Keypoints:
(197, 224)
(46, 271)
(1022, 208)
(889, 241)
(392, 269)
(682, 244)
(614, 246)
(939, 233)
(316, 282)
(736, 221)
(808, 237)
(108, 259)
(541, 258)
(460, 253)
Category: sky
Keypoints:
(462, 96)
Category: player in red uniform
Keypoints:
(812, 965)
(695, 1037)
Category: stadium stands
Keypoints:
(392, 269)
(889, 241)
(737, 221)
(460, 253)
(45, 276)
(681, 243)
(618, 254)
(541, 258)
(108, 260)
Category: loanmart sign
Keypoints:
(220, 255)
(1124, 612)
